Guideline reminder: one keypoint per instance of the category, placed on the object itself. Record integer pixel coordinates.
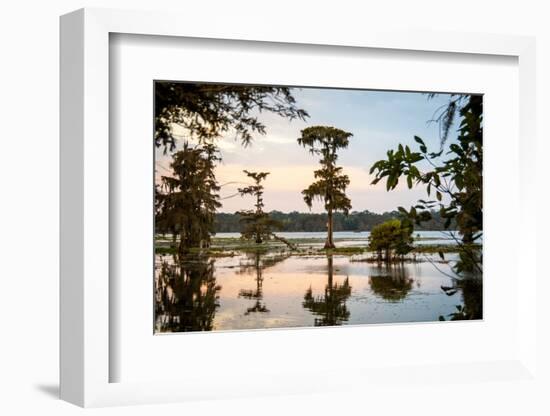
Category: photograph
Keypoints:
(308, 206)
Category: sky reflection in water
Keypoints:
(256, 291)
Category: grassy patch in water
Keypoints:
(350, 250)
(212, 252)
(164, 250)
(439, 248)
(228, 247)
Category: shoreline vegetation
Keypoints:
(356, 221)
(234, 246)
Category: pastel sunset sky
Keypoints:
(379, 120)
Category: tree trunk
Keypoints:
(182, 249)
(330, 242)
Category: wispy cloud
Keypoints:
(379, 121)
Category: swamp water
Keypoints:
(277, 290)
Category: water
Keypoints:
(359, 239)
(277, 290)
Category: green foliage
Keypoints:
(391, 239)
(330, 185)
(257, 224)
(205, 111)
(458, 179)
(187, 201)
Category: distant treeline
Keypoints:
(304, 221)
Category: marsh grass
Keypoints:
(230, 247)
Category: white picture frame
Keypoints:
(85, 353)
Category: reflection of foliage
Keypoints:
(206, 111)
(330, 185)
(258, 264)
(393, 238)
(393, 286)
(186, 295)
(189, 205)
(331, 308)
(256, 224)
(472, 297)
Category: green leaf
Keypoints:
(438, 196)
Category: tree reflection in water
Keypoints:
(393, 285)
(186, 295)
(331, 308)
(471, 288)
(258, 263)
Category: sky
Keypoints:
(379, 120)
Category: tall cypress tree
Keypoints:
(330, 185)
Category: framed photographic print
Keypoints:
(265, 219)
(271, 198)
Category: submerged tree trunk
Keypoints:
(284, 240)
(330, 242)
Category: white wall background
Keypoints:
(29, 57)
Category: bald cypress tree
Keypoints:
(330, 185)
(190, 198)
(205, 111)
(257, 224)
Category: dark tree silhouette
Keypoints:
(330, 185)
(205, 111)
(186, 294)
(190, 200)
(259, 263)
(393, 285)
(257, 224)
(331, 308)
